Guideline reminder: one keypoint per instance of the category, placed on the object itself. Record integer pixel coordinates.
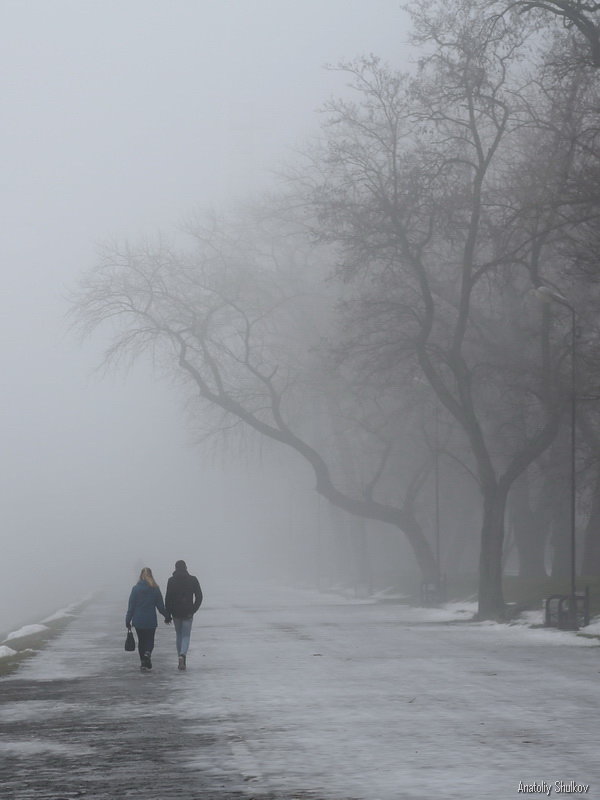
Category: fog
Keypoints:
(120, 118)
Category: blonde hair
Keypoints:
(146, 575)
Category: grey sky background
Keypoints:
(118, 119)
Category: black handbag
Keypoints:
(129, 642)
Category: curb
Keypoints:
(28, 645)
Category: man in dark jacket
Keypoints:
(183, 599)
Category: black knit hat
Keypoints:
(180, 565)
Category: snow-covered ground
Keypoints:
(384, 702)
(64, 613)
(26, 630)
(317, 697)
(35, 629)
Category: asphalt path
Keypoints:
(79, 720)
(292, 697)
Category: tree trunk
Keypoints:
(529, 532)
(531, 550)
(423, 552)
(362, 565)
(403, 518)
(491, 598)
(591, 546)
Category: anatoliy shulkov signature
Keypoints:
(558, 787)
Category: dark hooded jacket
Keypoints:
(184, 595)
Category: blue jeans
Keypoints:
(183, 631)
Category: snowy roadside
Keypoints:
(530, 623)
(27, 640)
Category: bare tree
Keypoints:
(409, 185)
(431, 210)
(575, 15)
(236, 327)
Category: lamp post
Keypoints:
(437, 504)
(548, 295)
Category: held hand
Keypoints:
(168, 620)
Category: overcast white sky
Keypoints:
(118, 118)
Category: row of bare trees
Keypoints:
(377, 314)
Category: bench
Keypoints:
(558, 614)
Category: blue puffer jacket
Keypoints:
(143, 602)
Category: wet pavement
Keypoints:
(292, 695)
(79, 720)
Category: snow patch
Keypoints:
(593, 627)
(23, 710)
(26, 630)
(6, 652)
(32, 747)
(530, 618)
(525, 635)
(62, 613)
(448, 612)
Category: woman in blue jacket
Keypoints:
(144, 599)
